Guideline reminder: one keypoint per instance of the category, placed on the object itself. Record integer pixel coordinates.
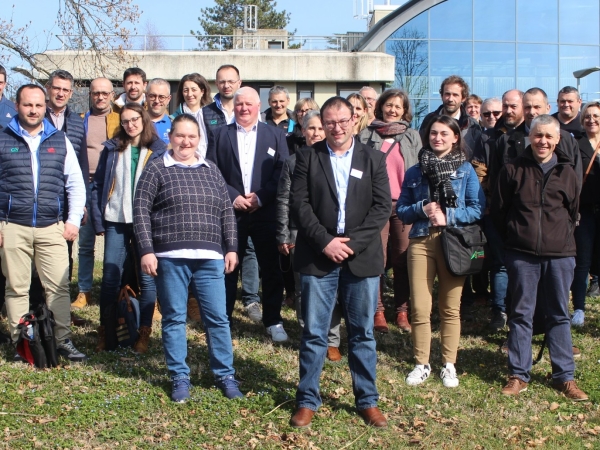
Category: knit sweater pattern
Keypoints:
(179, 208)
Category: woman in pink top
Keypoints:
(390, 133)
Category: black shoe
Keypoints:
(68, 350)
(466, 312)
(498, 321)
(593, 290)
(18, 358)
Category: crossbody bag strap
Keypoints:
(589, 167)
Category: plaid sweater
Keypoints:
(183, 208)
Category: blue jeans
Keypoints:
(553, 278)
(498, 275)
(119, 247)
(587, 239)
(265, 246)
(87, 241)
(208, 286)
(358, 299)
(250, 278)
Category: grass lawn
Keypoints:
(121, 400)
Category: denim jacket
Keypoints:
(415, 190)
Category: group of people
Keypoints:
(316, 202)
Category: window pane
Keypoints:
(579, 22)
(494, 69)
(574, 58)
(449, 58)
(411, 73)
(537, 66)
(452, 20)
(537, 20)
(502, 27)
(417, 26)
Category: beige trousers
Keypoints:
(425, 261)
(48, 249)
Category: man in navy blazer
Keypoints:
(340, 201)
(250, 155)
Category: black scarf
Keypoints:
(438, 171)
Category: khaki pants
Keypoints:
(48, 249)
(425, 261)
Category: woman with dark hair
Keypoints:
(119, 169)
(193, 93)
(390, 133)
(186, 232)
(442, 190)
(296, 139)
(361, 118)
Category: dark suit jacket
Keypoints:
(223, 151)
(315, 207)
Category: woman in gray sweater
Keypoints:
(186, 232)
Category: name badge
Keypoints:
(271, 152)
(356, 173)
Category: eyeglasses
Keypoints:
(342, 123)
(161, 98)
(101, 94)
(227, 82)
(592, 117)
(132, 121)
(487, 114)
(57, 90)
(302, 111)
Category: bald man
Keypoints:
(250, 155)
(101, 123)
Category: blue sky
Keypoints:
(309, 17)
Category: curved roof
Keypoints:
(390, 23)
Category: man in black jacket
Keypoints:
(340, 201)
(534, 207)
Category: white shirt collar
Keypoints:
(169, 161)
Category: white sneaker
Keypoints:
(419, 374)
(277, 333)
(254, 312)
(448, 376)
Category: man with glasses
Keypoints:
(100, 123)
(158, 96)
(491, 111)
(569, 104)
(340, 201)
(371, 97)
(7, 108)
(220, 112)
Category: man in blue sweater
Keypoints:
(7, 108)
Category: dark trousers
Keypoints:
(265, 246)
(250, 275)
(553, 277)
(587, 239)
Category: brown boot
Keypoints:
(156, 316)
(101, 344)
(142, 343)
(379, 323)
(193, 310)
(82, 300)
(402, 321)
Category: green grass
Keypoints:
(121, 400)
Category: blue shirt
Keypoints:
(163, 126)
(341, 165)
(7, 111)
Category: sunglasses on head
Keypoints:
(489, 113)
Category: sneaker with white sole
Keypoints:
(419, 374)
(277, 333)
(578, 318)
(448, 376)
(254, 312)
(68, 350)
(180, 392)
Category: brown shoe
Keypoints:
(514, 386)
(379, 322)
(333, 354)
(402, 321)
(576, 352)
(156, 316)
(302, 418)
(82, 300)
(373, 417)
(193, 310)
(570, 390)
(77, 321)
(101, 344)
(143, 341)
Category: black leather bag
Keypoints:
(464, 249)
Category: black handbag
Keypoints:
(464, 249)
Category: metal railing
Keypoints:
(189, 42)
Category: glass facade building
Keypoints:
(496, 46)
